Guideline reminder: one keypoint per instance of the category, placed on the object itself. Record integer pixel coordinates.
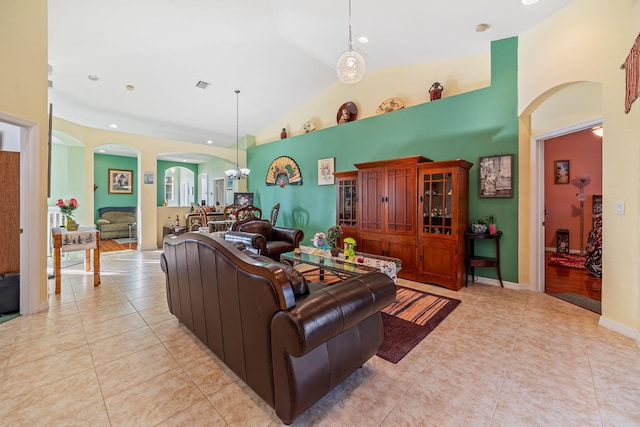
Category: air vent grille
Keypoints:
(202, 84)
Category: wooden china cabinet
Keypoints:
(346, 199)
(443, 211)
(409, 208)
(387, 210)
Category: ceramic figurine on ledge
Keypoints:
(349, 248)
(283, 134)
(435, 92)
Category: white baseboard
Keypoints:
(43, 307)
(149, 248)
(621, 329)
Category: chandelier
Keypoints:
(237, 172)
(351, 66)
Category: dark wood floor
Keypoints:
(559, 280)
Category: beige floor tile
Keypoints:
(153, 401)
(209, 374)
(410, 412)
(102, 329)
(27, 377)
(122, 345)
(146, 292)
(74, 400)
(107, 312)
(185, 348)
(200, 414)
(156, 314)
(241, 407)
(149, 302)
(47, 346)
(124, 373)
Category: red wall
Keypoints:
(584, 151)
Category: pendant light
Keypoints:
(237, 173)
(351, 66)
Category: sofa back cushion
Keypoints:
(116, 217)
(259, 226)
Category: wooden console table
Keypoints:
(82, 239)
(472, 260)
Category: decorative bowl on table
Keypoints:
(479, 228)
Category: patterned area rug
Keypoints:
(409, 320)
(567, 260)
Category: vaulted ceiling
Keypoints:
(279, 53)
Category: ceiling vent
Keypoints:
(50, 83)
(202, 84)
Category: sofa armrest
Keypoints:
(102, 221)
(250, 240)
(292, 235)
(330, 311)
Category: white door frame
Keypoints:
(537, 258)
(32, 266)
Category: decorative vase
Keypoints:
(334, 251)
(479, 228)
(435, 92)
(71, 225)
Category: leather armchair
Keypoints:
(261, 237)
(290, 341)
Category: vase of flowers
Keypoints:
(67, 208)
(333, 235)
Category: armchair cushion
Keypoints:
(296, 279)
(261, 237)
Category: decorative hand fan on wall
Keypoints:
(282, 171)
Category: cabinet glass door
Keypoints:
(437, 191)
(347, 202)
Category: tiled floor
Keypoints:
(115, 356)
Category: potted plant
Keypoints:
(491, 222)
(333, 235)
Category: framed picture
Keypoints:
(496, 176)
(120, 181)
(149, 177)
(325, 171)
(229, 183)
(561, 172)
(242, 199)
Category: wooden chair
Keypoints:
(273, 217)
(248, 212)
(230, 210)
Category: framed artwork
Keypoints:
(325, 171)
(229, 183)
(496, 176)
(242, 199)
(149, 177)
(561, 172)
(120, 181)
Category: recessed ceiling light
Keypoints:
(130, 87)
(92, 77)
(113, 126)
(481, 28)
(529, 2)
(102, 151)
(363, 39)
(209, 142)
(184, 160)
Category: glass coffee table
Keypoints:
(341, 268)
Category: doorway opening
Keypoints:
(566, 189)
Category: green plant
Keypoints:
(490, 220)
(333, 235)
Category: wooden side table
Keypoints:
(472, 260)
(84, 239)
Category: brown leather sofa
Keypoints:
(291, 341)
(261, 237)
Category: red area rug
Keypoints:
(409, 320)
(567, 260)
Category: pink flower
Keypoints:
(60, 202)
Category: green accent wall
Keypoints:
(478, 123)
(101, 197)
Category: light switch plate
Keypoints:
(619, 208)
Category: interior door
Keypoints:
(203, 189)
(10, 212)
